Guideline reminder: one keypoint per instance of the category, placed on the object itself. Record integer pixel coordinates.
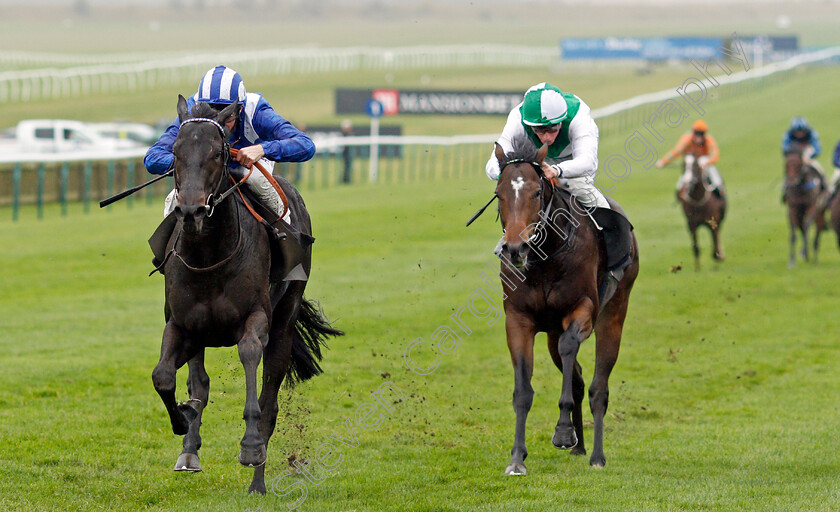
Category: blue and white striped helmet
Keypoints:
(221, 85)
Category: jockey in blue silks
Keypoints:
(800, 132)
(258, 132)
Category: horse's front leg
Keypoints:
(175, 350)
(792, 258)
(252, 448)
(520, 337)
(198, 384)
(806, 225)
(695, 247)
(577, 327)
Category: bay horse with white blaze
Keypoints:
(219, 293)
(804, 197)
(554, 262)
(702, 207)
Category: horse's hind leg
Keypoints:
(175, 350)
(577, 392)
(198, 384)
(276, 360)
(792, 258)
(252, 449)
(819, 223)
(607, 341)
(717, 255)
(695, 247)
(578, 327)
(804, 229)
(520, 338)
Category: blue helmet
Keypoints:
(221, 85)
(799, 123)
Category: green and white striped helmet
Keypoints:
(544, 105)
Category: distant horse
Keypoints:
(702, 207)
(804, 197)
(218, 294)
(553, 265)
(834, 210)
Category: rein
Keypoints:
(215, 198)
(211, 267)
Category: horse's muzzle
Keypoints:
(192, 215)
(517, 253)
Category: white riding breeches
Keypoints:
(712, 175)
(256, 182)
(585, 191)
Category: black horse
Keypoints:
(219, 293)
(556, 264)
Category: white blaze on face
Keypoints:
(517, 185)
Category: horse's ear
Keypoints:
(228, 113)
(541, 153)
(182, 109)
(500, 153)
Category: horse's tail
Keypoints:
(311, 332)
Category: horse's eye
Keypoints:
(536, 194)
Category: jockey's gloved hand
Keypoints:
(550, 172)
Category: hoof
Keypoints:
(189, 412)
(188, 462)
(597, 462)
(252, 457)
(564, 439)
(578, 450)
(190, 409)
(257, 488)
(516, 469)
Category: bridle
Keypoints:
(215, 197)
(212, 201)
(546, 205)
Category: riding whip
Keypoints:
(479, 212)
(126, 193)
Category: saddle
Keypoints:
(616, 232)
(288, 245)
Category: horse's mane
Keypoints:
(202, 109)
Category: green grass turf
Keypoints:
(723, 398)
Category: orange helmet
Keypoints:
(699, 126)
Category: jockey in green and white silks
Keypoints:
(562, 120)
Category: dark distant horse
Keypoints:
(218, 294)
(804, 197)
(702, 207)
(553, 265)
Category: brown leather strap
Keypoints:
(270, 178)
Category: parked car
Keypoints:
(59, 136)
(139, 133)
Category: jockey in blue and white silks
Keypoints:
(563, 121)
(259, 133)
